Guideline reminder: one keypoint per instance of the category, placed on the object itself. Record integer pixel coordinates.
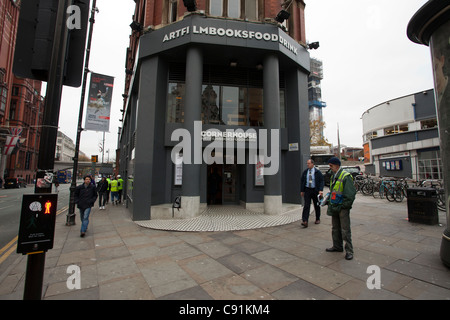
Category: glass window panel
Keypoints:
(230, 105)
(234, 8)
(251, 9)
(215, 7)
(175, 103)
(255, 107)
(210, 104)
(173, 10)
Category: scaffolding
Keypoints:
(315, 95)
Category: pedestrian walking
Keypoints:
(120, 180)
(311, 186)
(102, 187)
(109, 189)
(85, 197)
(340, 202)
(114, 191)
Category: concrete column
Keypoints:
(190, 200)
(431, 26)
(271, 102)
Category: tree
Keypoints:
(316, 137)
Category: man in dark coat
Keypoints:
(102, 186)
(85, 197)
(311, 186)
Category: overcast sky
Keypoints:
(367, 59)
(110, 41)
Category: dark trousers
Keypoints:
(101, 199)
(310, 194)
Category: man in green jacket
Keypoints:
(342, 195)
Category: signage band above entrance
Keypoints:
(231, 33)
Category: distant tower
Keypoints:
(315, 95)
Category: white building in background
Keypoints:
(65, 148)
(401, 138)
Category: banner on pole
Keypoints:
(99, 104)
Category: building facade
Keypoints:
(405, 144)
(215, 107)
(21, 103)
(65, 148)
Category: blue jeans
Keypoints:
(84, 215)
(114, 195)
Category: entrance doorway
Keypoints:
(222, 184)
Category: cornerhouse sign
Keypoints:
(231, 33)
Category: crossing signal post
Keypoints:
(36, 236)
(47, 50)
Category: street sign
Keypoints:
(37, 222)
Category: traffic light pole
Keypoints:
(47, 145)
(70, 219)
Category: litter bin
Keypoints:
(422, 205)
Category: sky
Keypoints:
(367, 60)
(110, 40)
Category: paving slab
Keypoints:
(120, 259)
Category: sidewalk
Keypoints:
(120, 260)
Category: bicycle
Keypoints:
(386, 189)
(440, 192)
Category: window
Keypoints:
(224, 105)
(215, 7)
(173, 10)
(234, 8)
(175, 103)
(3, 96)
(255, 103)
(396, 129)
(12, 110)
(371, 135)
(430, 165)
(428, 124)
(251, 9)
(210, 104)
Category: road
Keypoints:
(10, 208)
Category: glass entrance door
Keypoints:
(229, 184)
(222, 184)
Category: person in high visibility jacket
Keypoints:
(340, 202)
(108, 179)
(120, 180)
(114, 191)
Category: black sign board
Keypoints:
(37, 222)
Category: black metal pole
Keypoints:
(47, 145)
(70, 220)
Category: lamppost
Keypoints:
(430, 26)
(70, 220)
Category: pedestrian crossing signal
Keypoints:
(37, 222)
(48, 206)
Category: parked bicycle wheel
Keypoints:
(441, 199)
(398, 193)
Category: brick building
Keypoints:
(21, 103)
